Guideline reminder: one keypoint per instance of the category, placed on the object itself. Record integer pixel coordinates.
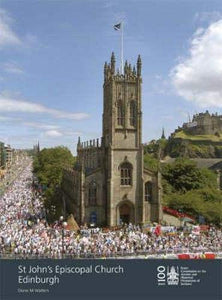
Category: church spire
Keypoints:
(163, 134)
(38, 147)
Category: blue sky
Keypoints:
(52, 55)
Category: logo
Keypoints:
(168, 275)
(172, 275)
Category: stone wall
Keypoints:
(204, 124)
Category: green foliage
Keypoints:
(48, 167)
(192, 190)
(151, 148)
(150, 162)
(167, 188)
(203, 151)
(183, 175)
(194, 146)
(162, 143)
(49, 163)
(207, 203)
(156, 148)
(218, 151)
(154, 151)
(209, 178)
(195, 137)
(176, 149)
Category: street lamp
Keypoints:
(64, 224)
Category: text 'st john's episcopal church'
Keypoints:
(109, 184)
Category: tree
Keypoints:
(183, 175)
(150, 162)
(156, 148)
(206, 202)
(192, 190)
(49, 163)
(48, 167)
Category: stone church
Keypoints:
(109, 184)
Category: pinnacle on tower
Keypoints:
(126, 67)
(113, 57)
(130, 68)
(113, 61)
(79, 142)
(105, 70)
(105, 66)
(139, 66)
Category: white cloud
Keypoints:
(53, 133)
(15, 105)
(198, 78)
(14, 68)
(40, 125)
(7, 35)
(199, 31)
(61, 132)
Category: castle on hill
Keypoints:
(109, 184)
(204, 124)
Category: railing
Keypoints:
(120, 254)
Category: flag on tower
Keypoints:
(117, 26)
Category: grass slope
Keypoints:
(183, 135)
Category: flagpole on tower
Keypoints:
(122, 47)
(119, 27)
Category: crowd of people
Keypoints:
(24, 232)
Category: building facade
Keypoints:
(204, 124)
(109, 184)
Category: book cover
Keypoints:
(110, 149)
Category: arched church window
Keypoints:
(120, 113)
(133, 113)
(126, 173)
(148, 191)
(92, 193)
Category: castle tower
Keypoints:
(122, 143)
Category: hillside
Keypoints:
(204, 137)
(183, 144)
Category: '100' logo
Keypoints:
(161, 275)
(169, 275)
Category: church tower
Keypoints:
(122, 143)
(109, 184)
